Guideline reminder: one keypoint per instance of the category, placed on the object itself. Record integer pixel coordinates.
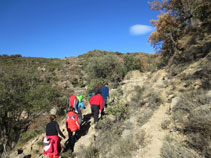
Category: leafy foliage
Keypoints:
(22, 90)
(178, 19)
(110, 67)
(105, 67)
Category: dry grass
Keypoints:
(174, 149)
(193, 114)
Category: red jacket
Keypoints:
(73, 101)
(97, 100)
(71, 121)
(53, 147)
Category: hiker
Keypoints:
(73, 102)
(97, 87)
(78, 108)
(52, 131)
(72, 125)
(96, 103)
(105, 94)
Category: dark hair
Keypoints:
(52, 117)
(98, 85)
(70, 109)
(97, 91)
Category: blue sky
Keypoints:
(65, 28)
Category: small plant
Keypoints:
(174, 149)
(25, 137)
(144, 116)
(89, 152)
(165, 124)
(192, 113)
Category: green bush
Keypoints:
(131, 62)
(26, 136)
(105, 67)
(23, 90)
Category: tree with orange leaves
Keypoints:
(177, 17)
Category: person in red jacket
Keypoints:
(96, 103)
(72, 125)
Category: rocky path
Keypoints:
(87, 131)
(154, 133)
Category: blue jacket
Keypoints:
(81, 105)
(105, 92)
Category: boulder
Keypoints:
(53, 111)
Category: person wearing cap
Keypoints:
(96, 103)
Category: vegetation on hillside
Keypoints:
(182, 29)
(32, 86)
(102, 66)
(24, 95)
(182, 37)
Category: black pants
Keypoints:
(69, 142)
(95, 112)
(104, 106)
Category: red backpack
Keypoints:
(72, 122)
(72, 99)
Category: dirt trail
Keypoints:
(87, 131)
(155, 134)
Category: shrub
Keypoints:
(192, 113)
(105, 67)
(165, 124)
(22, 90)
(26, 136)
(89, 152)
(173, 149)
(144, 115)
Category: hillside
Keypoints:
(33, 87)
(159, 104)
(151, 115)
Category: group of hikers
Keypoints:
(73, 120)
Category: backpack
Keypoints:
(72, 99)
(72, 123)
(81, 105)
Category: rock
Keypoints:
(208, 94)
(24, 115)
(170, 97)
(111, 117)
(126, 133)
(174, 102)
(53, 111)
